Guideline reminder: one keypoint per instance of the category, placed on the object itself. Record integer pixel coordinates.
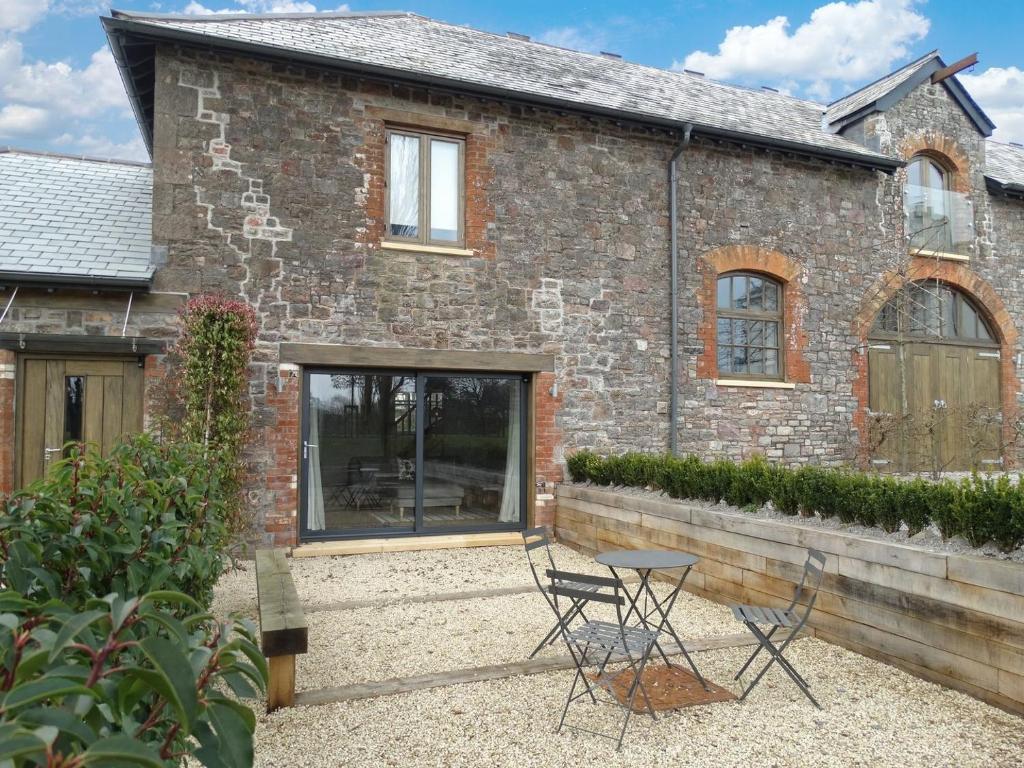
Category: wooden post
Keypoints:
(281, 687)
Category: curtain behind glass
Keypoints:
(510, 506)
(315, 495)
(404, 183)
(444, 190)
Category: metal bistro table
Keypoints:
(645, 562)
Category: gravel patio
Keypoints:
(385, 616)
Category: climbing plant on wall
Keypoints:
(207, 388)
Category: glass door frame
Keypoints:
(523, 380)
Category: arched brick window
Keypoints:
(749, 329)
(930, 205)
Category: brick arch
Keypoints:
(947, 151)
(751, 258)
(987, 301)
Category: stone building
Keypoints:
(472, 254)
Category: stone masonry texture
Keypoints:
(268, 184)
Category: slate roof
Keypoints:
(872, 92)
(1004, 164)
(73, 219)
(444, 54)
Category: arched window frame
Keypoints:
(936, 202)
(882, 328)
(727, 313)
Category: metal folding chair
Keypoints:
(612, 642)
(533, 540)
(789, 618)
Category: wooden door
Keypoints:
(62, 400)
(952, 401)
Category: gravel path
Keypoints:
(405, 640)
(874, 715)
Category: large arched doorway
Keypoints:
(933, 382)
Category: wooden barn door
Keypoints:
(96, 401)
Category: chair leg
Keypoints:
(776, 655)
(753, 656)
(552, 635)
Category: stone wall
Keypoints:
(952, 619)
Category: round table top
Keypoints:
(646, 559)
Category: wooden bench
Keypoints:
(283, 630)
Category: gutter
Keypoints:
(1009, 188)
(673, 217)
(85, 282)
(116, 27)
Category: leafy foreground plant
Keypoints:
(108, 654)
(124, 682)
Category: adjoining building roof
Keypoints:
(854, 102)
(74, 220)
(411, 48)
(1004, 167)
(886, 91)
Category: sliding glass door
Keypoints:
(401, 452)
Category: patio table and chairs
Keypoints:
(643, 626)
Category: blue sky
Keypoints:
(60, 91)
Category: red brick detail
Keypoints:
(281, 437)
(548, 435)
(946, 151)
(7, 371)
(750, 258)
(959, 276)
(479, 211)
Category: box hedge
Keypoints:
(979, 508)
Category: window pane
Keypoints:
(739, 332)
(444, 190)
(755, 333)
(771, 362)
(739, 292)
(725, 293)
(755, 360)
(472, 460)
(936, 177)
(755, 298)
(724, 332)
(74, 407)
(771, 334)
(725, 354)
(771, 296)
(404, 185)
(739, 360)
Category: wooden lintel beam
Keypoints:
(967, 61)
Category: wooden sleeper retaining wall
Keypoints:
(953, 619)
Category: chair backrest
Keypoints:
(814, 569)
(534, 539)
(567, 583)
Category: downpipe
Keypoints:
(673, 399)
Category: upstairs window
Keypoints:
(425, 188)
(749, 332)
(929, 205)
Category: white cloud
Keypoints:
(19, 15)
(1000, 92)
(18, 121)
(260, 6)
(842, 42)
(101, 146)
(574, 38)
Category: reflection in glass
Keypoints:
(361, 450)
(74, 407)
(471, 452)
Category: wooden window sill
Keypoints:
(440, 250)
(939, 255)
(763, 384)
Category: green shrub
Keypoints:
(916, 499)
(786, 491)
(980, 508)
(942, 502)
(108, 653)
(752, 484)
(147, 517)
(124, 682)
